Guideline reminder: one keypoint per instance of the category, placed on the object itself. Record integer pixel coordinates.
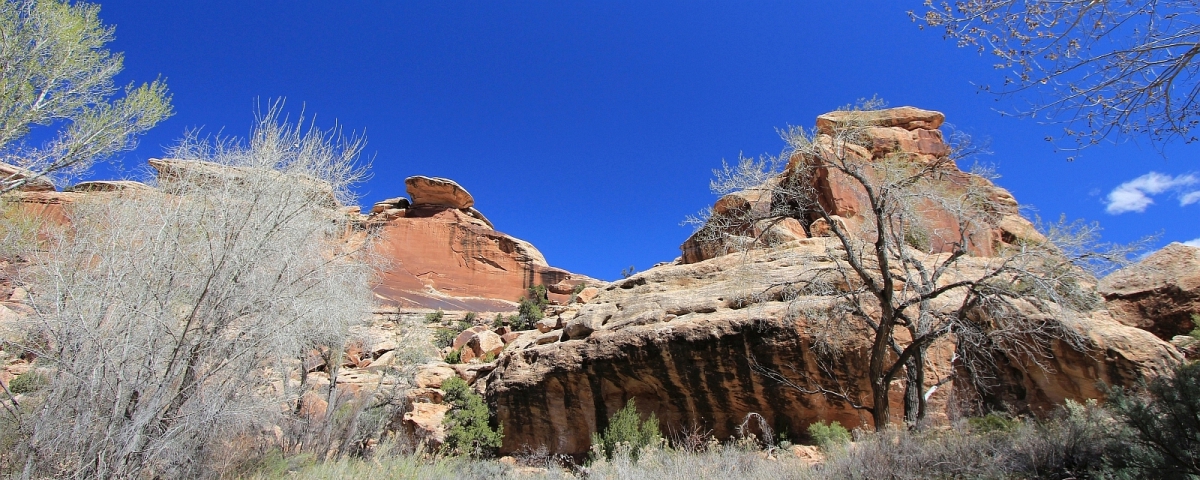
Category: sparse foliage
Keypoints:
(1126, 67)
(170, 320)
(57, 73)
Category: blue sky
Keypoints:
(591, 128)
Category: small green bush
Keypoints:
(530, 309)
(827, 435)
(435, 316)
(626, 430)
(26, 382)
(468, 428)
(455, 356)
(993, 422)
(470, 319)
(488, 357)
(498, 321)
(444, 337)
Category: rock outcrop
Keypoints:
(692, 341)
(1160, 294)
(684, 342)
(445, 254)
(737, 217)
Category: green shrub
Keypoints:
(498, 321)
(993, 422)
(470, 319)
(1165, 425)
(26, 382)
(435, 316)
(488, 357)
(455, 356)
(444, 337)
(827, 435)
(626, 430)
(530, 309)
(468, 428)
(575, 292)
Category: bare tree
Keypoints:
(169, 321)
(919, 256)
(1104, 66)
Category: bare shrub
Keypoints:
(173, 320)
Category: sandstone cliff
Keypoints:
(440, 252)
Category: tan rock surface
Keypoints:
(1160, 294)
(908, 118)
(107, 186)
(437, 191)
(12, 173)
(425, 422)
(432, 375)
(680, 341)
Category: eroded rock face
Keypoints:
(683, 341)
(907, 131)
(1160, 294)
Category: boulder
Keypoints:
(587, 294)
(483, 344)
(547, 324)
(465, 336)
(510, 337)
(1160, 294)
(424, 422)
(908, 118)
(10, 174)
(432, 375)
(437, 191)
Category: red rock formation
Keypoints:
(904, 130)
(450, 257)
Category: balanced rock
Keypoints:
(908, 118)
(437, 191)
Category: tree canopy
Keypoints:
(1105, 68)
(58, 74)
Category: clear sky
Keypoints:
(591, 128)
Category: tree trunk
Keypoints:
(914, 398)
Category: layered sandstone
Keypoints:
(442, 253)
(683, 341)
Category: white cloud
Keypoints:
(1189, 198)
(1193, 243)
(1134, 195)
